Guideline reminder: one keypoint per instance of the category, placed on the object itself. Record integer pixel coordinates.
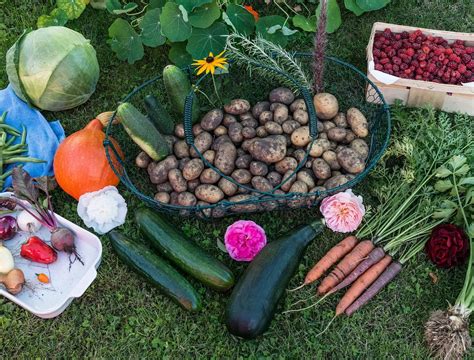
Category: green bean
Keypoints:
(3, 117)
(23, 159)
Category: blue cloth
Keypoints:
(43, 137)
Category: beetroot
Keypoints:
(420, 57)
(62, 239)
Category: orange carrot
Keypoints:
(362, 283)
(345, 266)
(43, 278)
(331, 257)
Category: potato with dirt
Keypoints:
(142, 160)
(209, 193)
(197, 129)
(337, 134)
(321, 169)
(177, 181)
(220, 130)
(220, 140)
(228, 119)
(235, 132)
(193, 169)
(326, 105)
(280, 112)
(350, 161)
(243, 161)
(318, 147)
(273, 128)
(225, 158)
(262, 184)
(289, 126)
(209, 155)
(186, 199)
(265, 117)
(301, 117)
(306, 176)
(237, 107)
(179, 131)
(158, 172)
(298, 104)
(212, 119)
(261, 132)
(299, 155)
(181, 149)
(258, 168)
(162, 197)
(193, 184)
(246, 205)
(248, 132)
(209, 176)
(202, 142)
(288, 179)
(340, 120)
(260, 107)
(358, 122)
(269, 150)
(301, 137)
(227, 187)
(360, 147)
(281, 95)
(248, 121)
(274, 178)
(242, 176)
(331, 158)
(286, 164)
(337, 180)
(328, 125)
(164, 187)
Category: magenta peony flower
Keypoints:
(244, 239)
(343, 211)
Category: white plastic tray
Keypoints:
(50, 300)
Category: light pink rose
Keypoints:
(343, 211)
(244, 239)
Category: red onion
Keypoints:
(8, 227)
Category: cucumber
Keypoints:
(254, 300)
(143, 132)
(158, 115)
(190, 258)
(178, 86)
(156, 271)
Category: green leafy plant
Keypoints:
(65, 10)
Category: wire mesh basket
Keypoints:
(350, 86)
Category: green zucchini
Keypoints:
(158, 115)
(143, 132)
(178, 86)
(190, 258)
(156, 271)
(254, 300)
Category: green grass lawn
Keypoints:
(121, 316)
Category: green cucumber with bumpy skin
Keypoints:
(156, 271)
(158, 115)
(181, 251)
(178, 86)
(143, 132)
(254, 300)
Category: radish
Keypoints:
(26, 222)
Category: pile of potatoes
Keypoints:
(260, 146)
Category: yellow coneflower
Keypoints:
(210, 63)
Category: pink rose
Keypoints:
(244, 239)
(343, 211)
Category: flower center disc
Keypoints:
(209, 59)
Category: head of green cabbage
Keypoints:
(53, 68)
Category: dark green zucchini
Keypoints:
(189, 257)
(156, 271)
(254, 299)
(158, 115)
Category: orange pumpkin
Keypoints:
(80, 163)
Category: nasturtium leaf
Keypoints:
(112, 5)
(125, 41)
(204, 41)
(127, 8)
(57, 18)
(192, 4)
(370, 5)
(242, 20)
(156, 4)
(72, 8)
(334, 15)
(351, 5)
(173, 25)
(205, 15)
(304, 23)
(266, 23)
(178, 54)
(151, 29)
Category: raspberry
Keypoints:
(465, 58)
(422, 57)
(469, 50)
(468, 74)
(396, 60)
(431, 68)
(441, 57)
(445, 61)
(439, 51)
(378, 44)
(404, 66)
(440, 73)
(384, 61)
(426, 49)
(459, 51)
(419, 71)
(410, 52)
(404, 35)
(470, 65)
(416, 46)
(407, 71)
(398, 36)
(423, 64)
(415, 63)
(418, 77)
(453, 65)
(452, 57)
(396, 68)
(456, 74)
(448, 51)
(388, 66)
(391, 53)
(378, 67)
(383, 54)
(459, 42)
(376, 52)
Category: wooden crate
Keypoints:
(415, 93)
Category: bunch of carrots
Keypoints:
(399, 227)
